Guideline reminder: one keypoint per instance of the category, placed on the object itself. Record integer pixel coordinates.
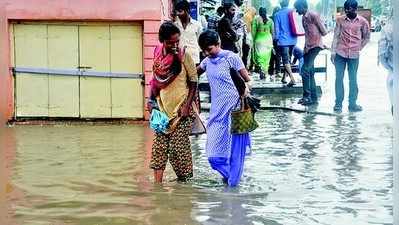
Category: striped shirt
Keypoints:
(213, 22)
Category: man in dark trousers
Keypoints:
(351, 34)
(314, 30)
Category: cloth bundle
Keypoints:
(159, 121)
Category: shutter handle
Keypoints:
(84, 67)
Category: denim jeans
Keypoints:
(340, 66)
(307, 72)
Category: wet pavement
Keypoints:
(305, 168)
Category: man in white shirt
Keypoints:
(190, 30)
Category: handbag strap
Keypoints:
(244, 103)
(228, 62)
(238, 81)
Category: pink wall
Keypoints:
(150, 12)
(5, 78)
(84, 9)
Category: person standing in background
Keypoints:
(286, 40)
(385, 56)
(190, 30)
(237, 22)
(240, 27)
(228, 36)
(351, 34)
(275, 60)
(248, 18)
(314, 30)
(214, 19)
(262, 33)
(203, 20)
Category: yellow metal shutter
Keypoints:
(30, 43)
(104, 51)
(127, 57)
(63, 53)
(95, 93)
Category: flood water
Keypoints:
(304, 169)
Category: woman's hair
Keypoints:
(182, 5)
(263, 14)
(208, 38)
(350, 4)
(167, 30)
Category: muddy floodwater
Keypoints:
(304, 169)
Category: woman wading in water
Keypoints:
(225, 151)
(173, 88)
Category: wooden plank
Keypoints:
(30, 43)
(127, 56)
(95, 93)
(63, 53)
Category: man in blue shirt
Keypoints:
(286, 40)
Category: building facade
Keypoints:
(77, 58)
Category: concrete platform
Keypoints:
(270, 86)
(267, 86)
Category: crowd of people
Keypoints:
(238, 42)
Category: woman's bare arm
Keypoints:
(244, 74)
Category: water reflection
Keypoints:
(309, 148)
(346, 146)
(174, 205)
(227, 207)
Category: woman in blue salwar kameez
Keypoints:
(225, 151)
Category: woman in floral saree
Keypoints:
(173, 88)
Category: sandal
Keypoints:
(290, 84)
